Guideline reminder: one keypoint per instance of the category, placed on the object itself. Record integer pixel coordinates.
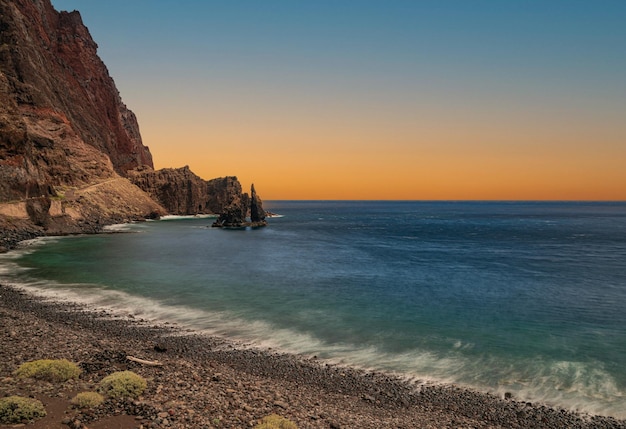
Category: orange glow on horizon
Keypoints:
(412, 151)
(320, 173)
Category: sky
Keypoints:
(377, 100)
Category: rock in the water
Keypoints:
(235, 212)
(257, 214)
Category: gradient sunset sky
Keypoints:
(381, 99)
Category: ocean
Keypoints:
(520, 297)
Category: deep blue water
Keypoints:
(523, 297)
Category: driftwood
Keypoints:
(144, 362)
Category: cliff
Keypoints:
(68, 144)
(180, 191)
(61, 115)
(66, 137)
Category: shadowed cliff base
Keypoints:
(74, 211)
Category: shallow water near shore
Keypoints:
(525, 298)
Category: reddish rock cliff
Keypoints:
(62, 121)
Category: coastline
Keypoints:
(14, 231)
(213, 382)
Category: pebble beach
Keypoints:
(208, 382)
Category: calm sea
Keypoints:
(521, 297)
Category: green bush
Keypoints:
(87, 400)
(123, 384)
(14, 409)
(48, 369)
(275, 421)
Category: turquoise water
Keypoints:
(517, 297)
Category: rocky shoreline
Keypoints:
(9, 239)
(207, 382)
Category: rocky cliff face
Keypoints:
(68, 144)
(65, 135)
(257, 214)
(242, 210)
(182, 192)
(61, 115)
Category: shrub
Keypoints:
(123, 384)
(275, 421)
(87, 400)
(47, 369)
(14, 409)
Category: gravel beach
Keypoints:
(207, 382)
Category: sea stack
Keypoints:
(257, 214)
(235, 213)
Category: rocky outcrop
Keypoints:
(227, 196)
(182, 192)
(178, 190)
(235, 211)
(257, 214)
(242, 211)
(38, 210)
